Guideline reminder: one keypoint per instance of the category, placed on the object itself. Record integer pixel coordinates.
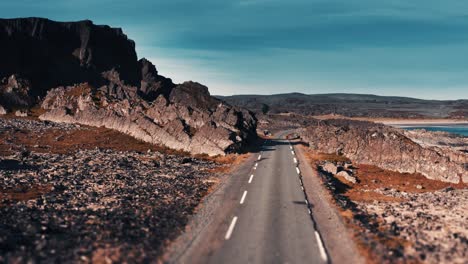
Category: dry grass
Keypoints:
(24, 194)
(228, 162)
(314, 156)
(62, 142)
(373, 177)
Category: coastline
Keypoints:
(429, 122)
(403, 121)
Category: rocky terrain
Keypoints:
(78, 72)
(351, 105)
(438, 139)
(433, 223)
(398, 217)
(280, 122)
(71, 193)
(386, 147)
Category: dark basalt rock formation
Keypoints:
(152, 84)
(84, 73)
(386, 147)
(51, 54)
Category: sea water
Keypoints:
(460, 130)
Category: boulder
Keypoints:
(2, 110)
(347, 176)
(330, 168)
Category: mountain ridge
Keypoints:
(352, 105)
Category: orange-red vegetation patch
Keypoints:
(59, 141)
(24, 194)
(324, 156)
(228, 162)
(372, 177)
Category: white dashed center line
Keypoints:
(243, 197)
(259, 157)
(251, 178)
(298, 171)
(292, 152)
(323, 254)
(231, 228)
(295, 160)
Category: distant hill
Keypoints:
(353, 105)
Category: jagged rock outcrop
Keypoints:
(386, 147)
(89, 74)
(152, 84)
(189, 120)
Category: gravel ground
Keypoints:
(436, 223)
(95, 204)
(395, 226)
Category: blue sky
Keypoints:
(415, 48)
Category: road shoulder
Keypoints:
(207, 221)
(340, 246)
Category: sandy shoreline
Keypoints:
(429, 124)
(403, 121)
(415, 123)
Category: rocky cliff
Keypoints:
(50, 54)
(84, 73)
(386, 147)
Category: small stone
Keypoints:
(2, 110)
(419, 187)
(20, 113)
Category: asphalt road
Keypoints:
(265, 217)
(272, 222)
(272, 209)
